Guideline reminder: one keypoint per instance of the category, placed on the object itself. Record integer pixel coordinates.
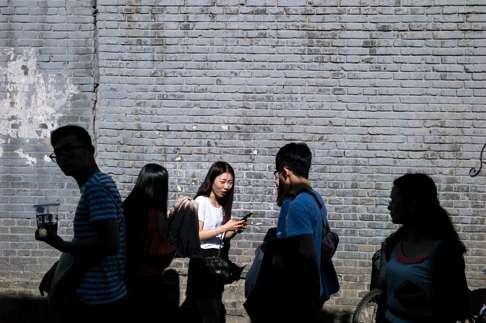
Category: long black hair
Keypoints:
(216, 169)
(429, 217)
(150, 191)
(152, 186)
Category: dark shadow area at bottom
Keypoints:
(23, 309)
(34, 309)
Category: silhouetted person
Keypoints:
(152, 293)
(289, 286)
(422, 263)
(97, 249)
(215, 200)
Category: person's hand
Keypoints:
(234, 225)
(45, 284)
(49, 236)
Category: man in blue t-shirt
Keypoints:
(289, 287)
(94, 281)
(300, 221)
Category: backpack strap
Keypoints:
(325, 223)
(311, 192)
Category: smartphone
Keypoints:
(246, 216)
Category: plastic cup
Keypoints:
(47, 217)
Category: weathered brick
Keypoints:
(376, 88)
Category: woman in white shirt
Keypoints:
(215, 200)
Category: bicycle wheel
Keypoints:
(477, 299)
(367, 308)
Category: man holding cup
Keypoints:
(98, 246)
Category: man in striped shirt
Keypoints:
(98, 245)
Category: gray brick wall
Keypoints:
(46, 68)
(376, 88)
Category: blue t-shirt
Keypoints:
(103, 282)
(302, 216)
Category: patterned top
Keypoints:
(103, 282)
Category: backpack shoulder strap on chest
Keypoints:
(314, 195)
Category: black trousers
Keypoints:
(78, 312)
(204, 292)
(152, 297)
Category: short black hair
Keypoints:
(75, 130)
(295, 156)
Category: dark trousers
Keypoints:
(78, 312)
(204, 293)
(154, 296)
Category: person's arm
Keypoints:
(105, 242)
(104, 214)
(228, 228)
(306, 246)
(230, 234)
(300, 229)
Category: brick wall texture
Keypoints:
(377, 88)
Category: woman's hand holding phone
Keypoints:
(234, 225)
(245, 218)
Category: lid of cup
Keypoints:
(46, 205)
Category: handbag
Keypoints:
(62, 279)
(226, 270)
(329, 243)
(223, 268)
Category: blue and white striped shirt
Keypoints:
(103, 282)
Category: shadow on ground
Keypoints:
(33, 309)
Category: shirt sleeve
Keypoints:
(101, 204)
(299, 218)
(201, 208)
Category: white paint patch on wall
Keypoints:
(30, 160)
(32, 100)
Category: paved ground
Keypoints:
(237, 319)
(33, 309)
(336, 317)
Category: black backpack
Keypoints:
(329, 244)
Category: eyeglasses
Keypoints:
(63, 152)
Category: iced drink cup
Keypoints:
(47, 217)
